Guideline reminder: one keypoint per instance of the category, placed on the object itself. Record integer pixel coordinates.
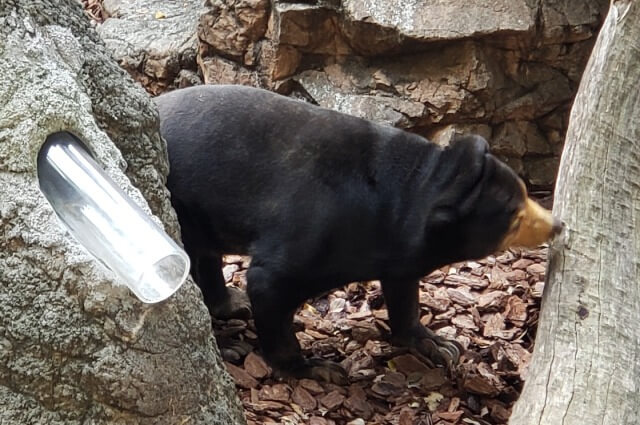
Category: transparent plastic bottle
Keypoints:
(107, 223)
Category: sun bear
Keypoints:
(320, 199)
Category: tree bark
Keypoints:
(586, 363)
(75, 346)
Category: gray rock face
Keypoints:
(430, 20)
(156, 39)
(435, 67)
(76, 347)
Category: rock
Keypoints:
(444, 135)
(231, 27)
(152, 39)
(516, 164)
(542, 89)
(428, 20)
(217, 70)
(187, 78)
(282, 60)
(384, 109)
(542, 171)
(517, 138)
(570, 20)
(502, 69)
(76, 345)
(310, 28)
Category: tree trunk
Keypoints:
(586, 363)
(75, 346)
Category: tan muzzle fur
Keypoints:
(531, 226)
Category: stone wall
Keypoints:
(506, 69)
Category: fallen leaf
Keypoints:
(433, 400)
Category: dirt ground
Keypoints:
(490, 306)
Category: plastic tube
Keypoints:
(107, 223)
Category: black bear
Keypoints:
(320, 199)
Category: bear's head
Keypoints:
(485, 206)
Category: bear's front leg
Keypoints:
(402, 301)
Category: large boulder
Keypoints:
(76, 346)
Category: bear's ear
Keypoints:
(470, 145)
(468, 163)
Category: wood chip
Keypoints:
(256, 366)
(453, 417)
(516, 310)
(241, 377)
(408, 364)
(465, 321)
(522, 263)
(461, 295)
(277, 392)
(469, 281)
(407, 417)
(357, 403)
(490, 300)
(500, 414)
(332, 400)
(303, 398)
(317, 420)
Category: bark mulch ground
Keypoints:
(490, 306)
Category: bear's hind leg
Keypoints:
(222, 301)
(274, 302)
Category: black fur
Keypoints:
(320, 199)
